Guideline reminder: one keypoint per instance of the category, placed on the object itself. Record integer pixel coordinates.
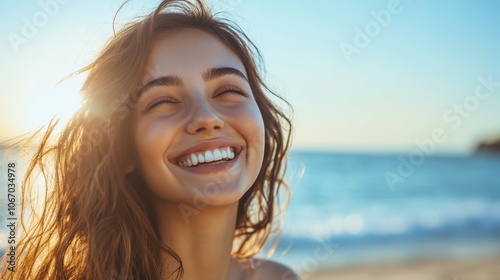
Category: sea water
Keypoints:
(346, 209)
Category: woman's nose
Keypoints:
(204, 118)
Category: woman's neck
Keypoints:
(202, 238)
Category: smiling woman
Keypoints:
(171, 168)
(205, 109)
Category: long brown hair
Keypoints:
(96, 222)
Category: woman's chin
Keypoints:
(219, 194)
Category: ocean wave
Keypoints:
(454, 217)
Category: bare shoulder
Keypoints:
(270, 270)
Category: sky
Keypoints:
(361, 76)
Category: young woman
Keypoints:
(172, 166)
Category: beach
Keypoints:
(483, 269)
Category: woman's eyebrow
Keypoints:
(161, 81)
(172, 80)
(214, 73)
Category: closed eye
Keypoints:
(231, 89)
(158, 101)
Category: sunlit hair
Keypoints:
(96, 222)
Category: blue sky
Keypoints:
(411, 70)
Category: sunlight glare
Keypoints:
(43, 101)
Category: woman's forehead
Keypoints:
(189, 52)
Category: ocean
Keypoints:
(347, 209)
(351, 209)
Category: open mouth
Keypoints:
(208, 157)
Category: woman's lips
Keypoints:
(213, 167)
(205, 157)
(207, 146)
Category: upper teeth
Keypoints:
(207, 156)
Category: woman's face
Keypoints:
(198, 132)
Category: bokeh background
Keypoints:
(391, 101)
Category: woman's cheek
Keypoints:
(251, 126)
(152, 138)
